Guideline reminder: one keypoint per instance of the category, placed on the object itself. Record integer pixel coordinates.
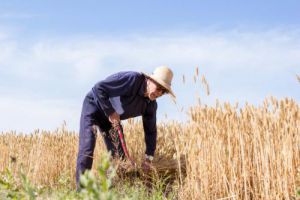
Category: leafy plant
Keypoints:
(11, 188)
(98, 187)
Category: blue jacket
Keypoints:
(123, 92)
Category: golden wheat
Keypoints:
(246, 153)
(221, 152)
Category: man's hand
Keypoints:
(114, 119)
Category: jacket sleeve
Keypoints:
(149, 123)
(115, 85)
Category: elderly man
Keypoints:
(121, 96)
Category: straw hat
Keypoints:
(163, 75)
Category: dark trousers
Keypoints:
(92, 117)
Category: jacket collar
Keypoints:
(143, 87)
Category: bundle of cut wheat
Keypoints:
(161, 167)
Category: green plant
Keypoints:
(27, 188)
(64, 180)
(11, 188)
(98, 187)
(8, 185)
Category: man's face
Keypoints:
(154, 90)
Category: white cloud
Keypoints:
(88, 57)
(239, 65)
(28, 114)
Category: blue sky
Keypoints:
(53, 52)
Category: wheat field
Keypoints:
(230, 152)
(223, 151)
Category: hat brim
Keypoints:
(162, 84)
